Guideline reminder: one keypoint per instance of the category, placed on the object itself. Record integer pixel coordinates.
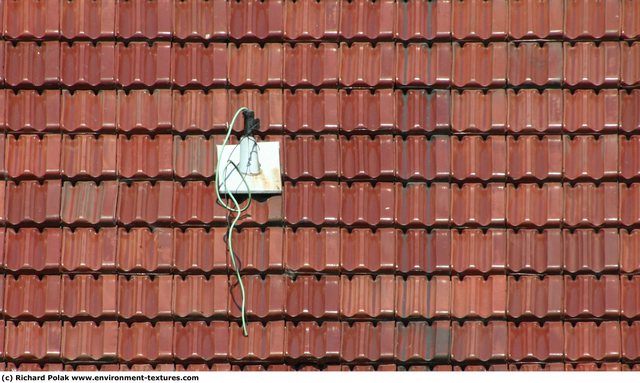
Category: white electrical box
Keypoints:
(268, 180)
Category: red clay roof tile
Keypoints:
(531, 64)
(529, 205)
(586, 250)
(477, 342)
(86, 341)
(420, 298)
(313, 341)
(308, 112)
(88, 20)
(143, 250)
(419, 111)
(367, 342)
(587, 64)
(85, 65)
(144, 20)
(532, 111)
(366, 296)
(197, 65)
(32, 20)
(31, 202)
(254, 66)
(31, 111)
(145, 297)
(89, 297)
(146, 202)
(590, 205)
(88, 203)
(589, 20)
(308, 203)
(142, 65)
(311, 20)
(480, 20)
(310, 250)
(367, 20)
(422, 342)
(88, 249)
(256, 20)
(362, 111)
(474, 111)
(531, 297)
(200, 20)
(265, 296)
(474, 158)
(420, 251)
(141, 110)
(490, 69)
(419, 205)
(30, 249)
(308, 65)
(259, 250)
(145, 342)
(474, 251)
(268, 105)
(31, 297)
(30, 156)
(531, 158)
(196, 341)
(264, 343)
(530, 341)
(86, 111)
(30, 341)
(421, 65)
(419, 158)
(197, 296)
(423, 20)
(532, 19)
(88, 156)
(588, 296)
(531, 251)
(590, 341)
(364, 65)
(367, 251)
(308, 297)
(475, 297)
(200, 250)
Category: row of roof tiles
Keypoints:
(519, 366)
(330, 250)
(329, 297)
(384, 157)
(498, 111)
(415, 342)
(253, 20)
(329, 203)
(163, 64)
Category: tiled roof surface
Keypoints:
(460, 185)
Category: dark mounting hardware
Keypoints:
(250, 122)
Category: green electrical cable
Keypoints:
(237, 210)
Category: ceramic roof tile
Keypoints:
(88, 249)
(586, 111)
(588, 296)
(88, 156)
(491, 64)
(533, 158)
(630, 23)
(475, 158)
(31, 20)
(362, 111)
(43, 68)
(144, 250)
(532, 19)
(467, 16)
(422, 342)
(587, 64)
(589, 20)
(86, 111)
(367, 20)
(589, 158)
(478, 205)
(308, 297)
(89, 297)
(535, 65)
(419, 111)
(363, 250)
(590, 341)
(200, 20)
(630, 296)
(142, 65)
(474, 111)
(251, 65)
(366, 205)
(197, 296)
(421, 65)
(197, 65)
(307, 65)
(630, 74)
(629, 212)
(31, 202)
(306, 111)
(420, 251)
(630, 340)
(199, 341)
(259, 250)
(411, 23)
(420, 298)
(529, 205)
(530, 341)
(311, 341)
(307, 157)
(30, 341)
(30, 249)
(142, 156)
(476, 252)
(475, 341)
(30, 156)
(531, 297)
(368, 342)
(590, 205)
(85, 341)
(475, 297)
(365, 296)
(88, 20)
(419, 158)
(366, 158)
(420, 205)
(366, 65)
(309, 250)
(144, 20)
(629, 242)
(312, 20)
(199, 250)
(531, 111)
(586, 250)
(141, 110)
(197, 111)
(32, 111)
(308, 203)
(88, 203)
(84, 65)
(264, 343)
(31, 297)
(265, 296)
(145, 202)
(145, 297)
(144, 342)
(256, 20)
